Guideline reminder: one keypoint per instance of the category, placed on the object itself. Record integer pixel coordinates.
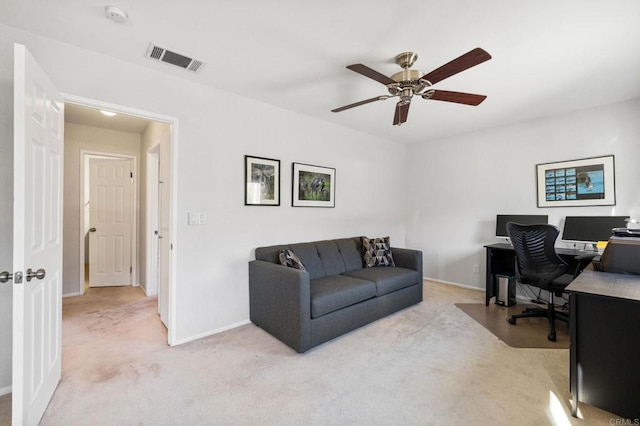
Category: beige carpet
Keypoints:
(430, 364)
(526, 333)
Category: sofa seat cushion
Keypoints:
(387, 278)
(329, 294)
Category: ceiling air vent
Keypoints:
(164, 55)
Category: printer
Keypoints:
(622, 253)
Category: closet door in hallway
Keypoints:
(111, 217)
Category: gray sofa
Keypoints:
(335, 294)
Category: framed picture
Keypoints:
(584, 182)
(313, 186)
(261, 181)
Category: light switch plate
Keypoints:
(196, 218)
(192, 218)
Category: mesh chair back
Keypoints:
(535, 251)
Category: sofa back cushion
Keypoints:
(351, 251)
(320, 258)
(308, 254)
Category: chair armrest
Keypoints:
(280, 302)
(408, 258)
(583, 261)
(586, 256)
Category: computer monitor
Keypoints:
(525, 219)
(591, 229)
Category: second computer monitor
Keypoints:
(591, 229)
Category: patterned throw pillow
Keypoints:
(289, 258)
(377, 252)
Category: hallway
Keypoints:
(103, 331)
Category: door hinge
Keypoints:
(131, 175)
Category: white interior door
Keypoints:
(110, 212)
(164, 243)
(153, 224)
(37, 239)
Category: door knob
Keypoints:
(39, 274)
(6, 276)
(92, 229)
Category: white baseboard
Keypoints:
(4, 391)
(212, 332)
(71, 295)
(144, 290)
(452, 283)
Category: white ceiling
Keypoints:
(549, 56)
(93, 117)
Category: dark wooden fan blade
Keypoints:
(402, 110)
(367, 101)
(457, 97)
(466, 61)
(371, 73)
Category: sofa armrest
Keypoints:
(408, 258)
(280, 302)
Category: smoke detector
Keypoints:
(116, 14)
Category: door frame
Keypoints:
(173, 185)
(85, 156)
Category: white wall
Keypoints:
(94, 139)
(456, 186)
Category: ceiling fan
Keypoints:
(409, 82)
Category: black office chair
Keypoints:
(538, 265)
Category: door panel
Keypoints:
(37, 302)
(110, 215)
(164, 246)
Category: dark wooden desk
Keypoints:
(501, 260)
(605, 342)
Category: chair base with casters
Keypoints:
(549, 312)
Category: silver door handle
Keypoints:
(5, 276)
(39, 274)
(92, 229)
